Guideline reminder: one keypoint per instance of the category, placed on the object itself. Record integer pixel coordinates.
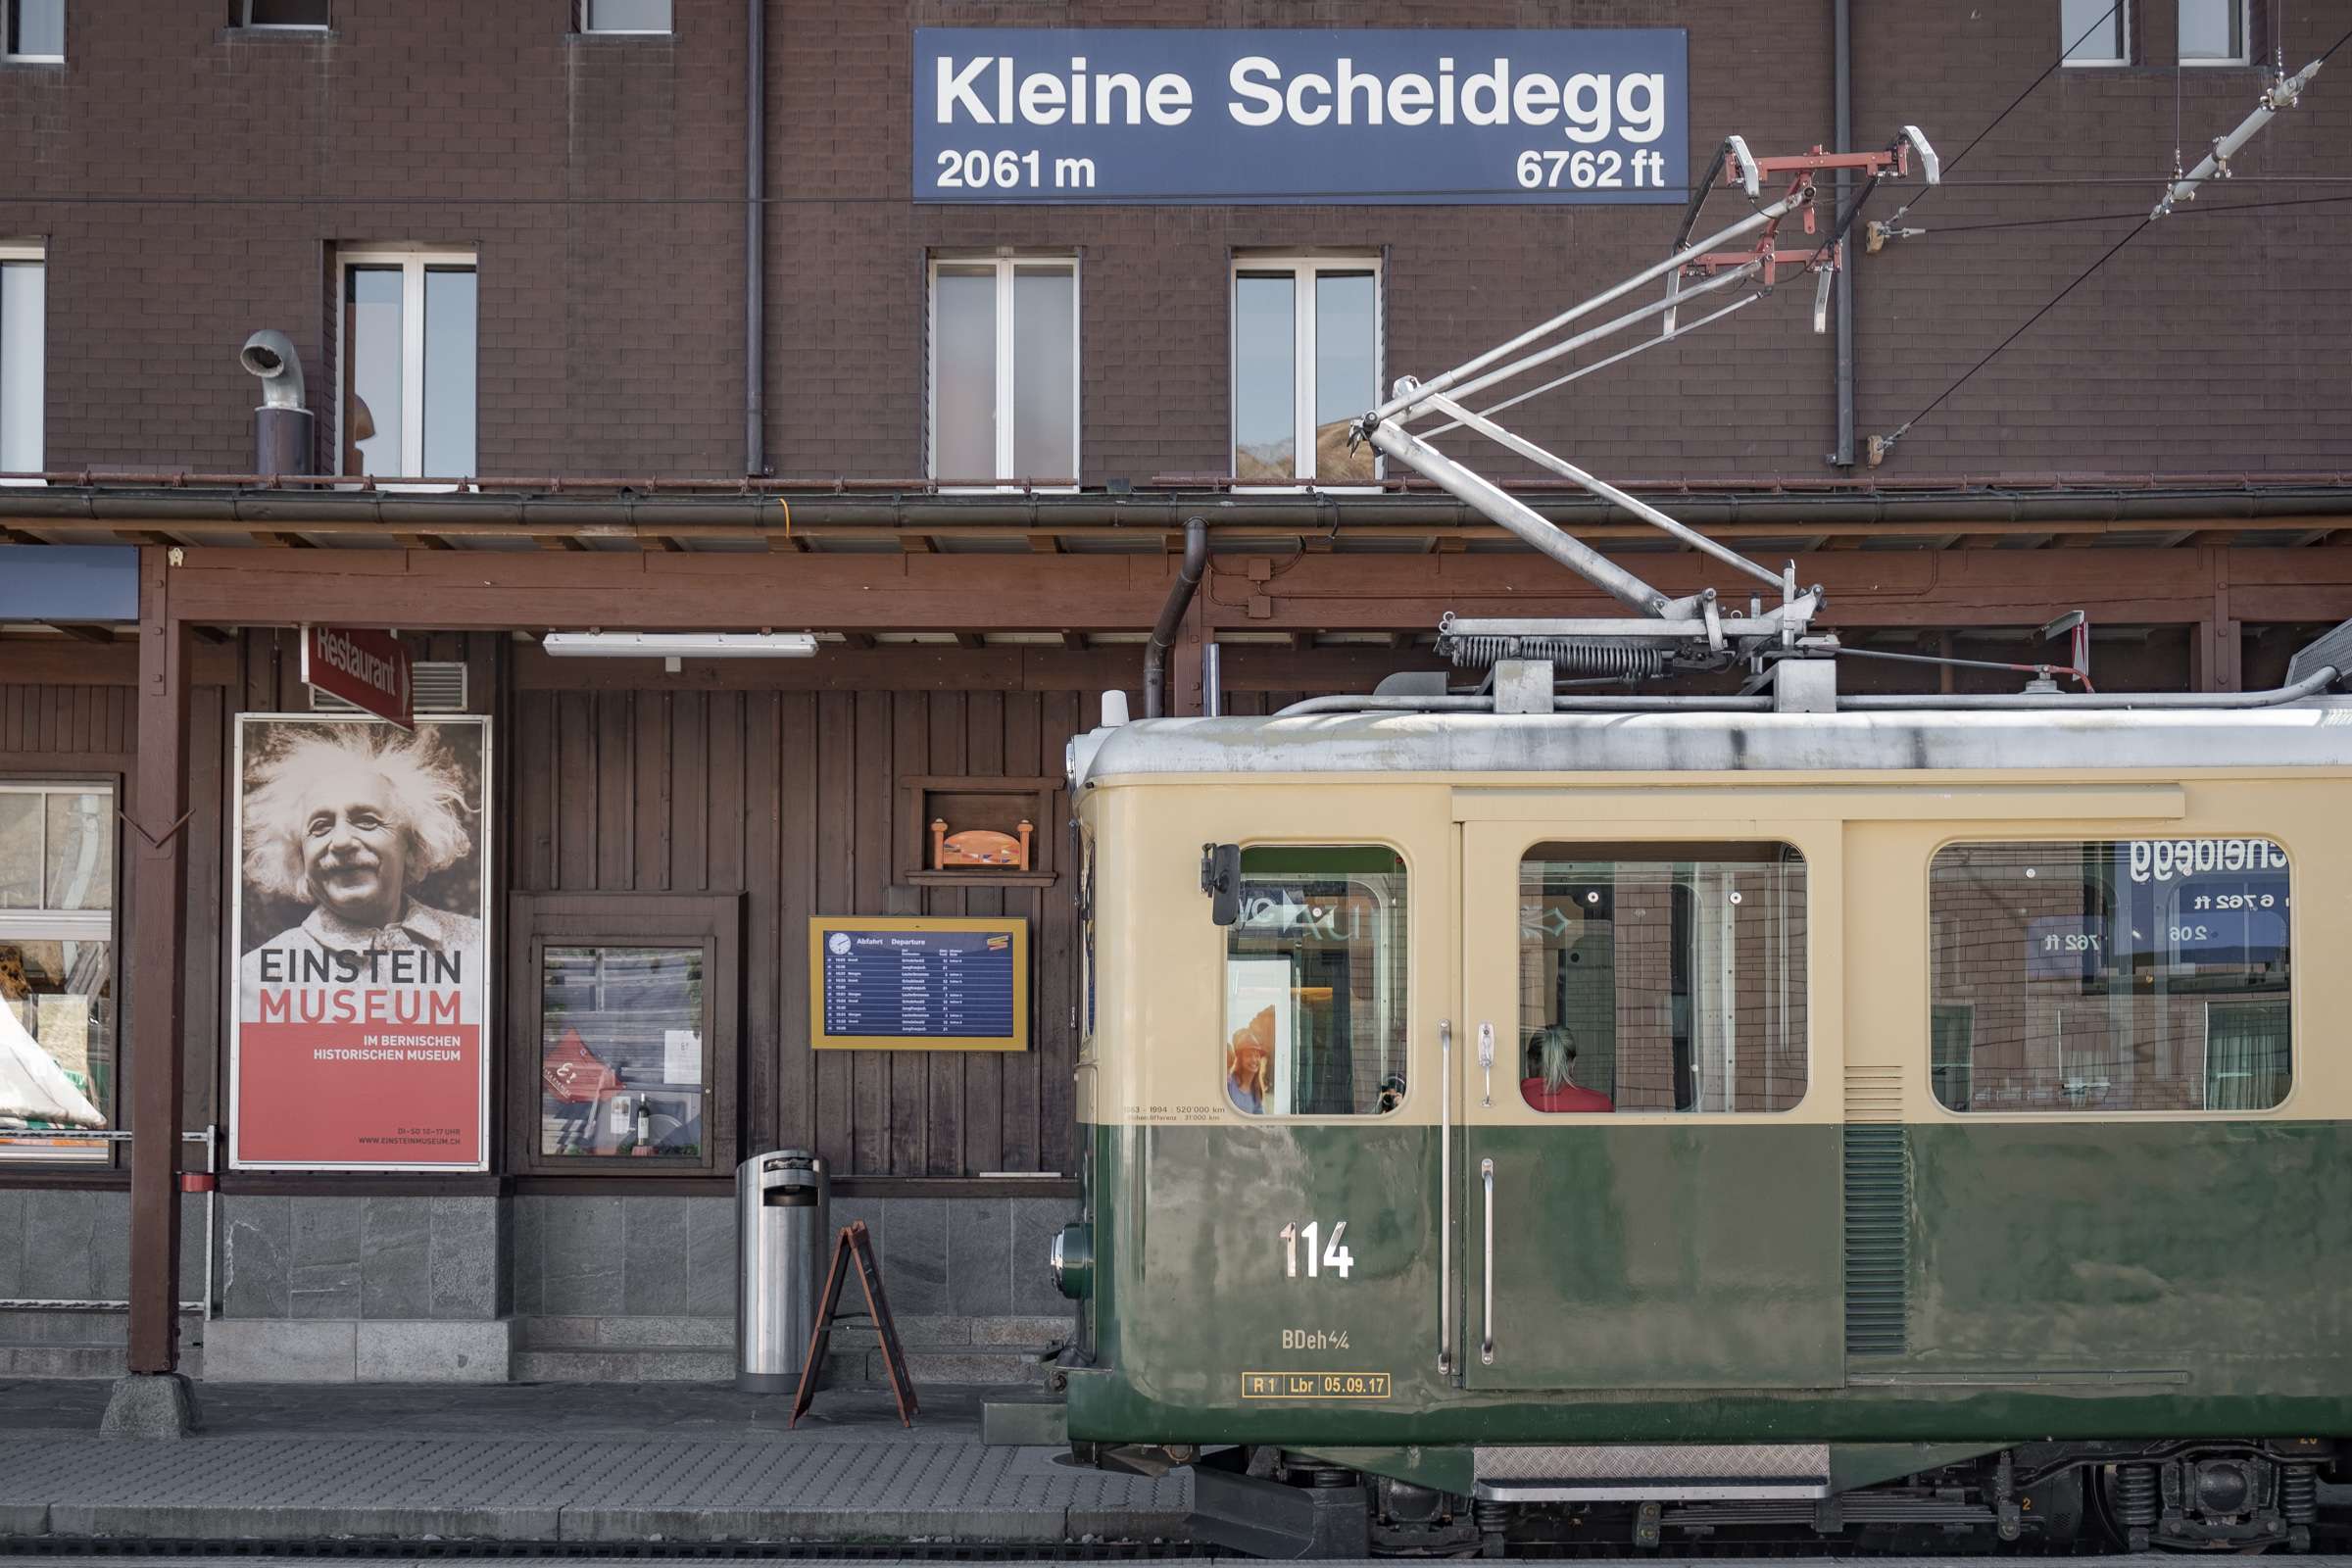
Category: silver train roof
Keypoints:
(2314, 733)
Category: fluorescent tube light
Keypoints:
(680, 644)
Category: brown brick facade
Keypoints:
(190, 181)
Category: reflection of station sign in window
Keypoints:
(2210, 901)
(2175, 904)
(1387, 115)
(902, 983)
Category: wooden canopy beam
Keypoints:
(1340, 592)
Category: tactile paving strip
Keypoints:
(542, 1490)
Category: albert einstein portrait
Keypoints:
(357, 838)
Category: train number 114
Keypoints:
(1335, 1257)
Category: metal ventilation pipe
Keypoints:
(1171, 616)
(281, 425)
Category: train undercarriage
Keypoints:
(2288, 1495)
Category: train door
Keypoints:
(1651, 1165)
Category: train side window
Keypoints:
(1663, 977)
(1315, 982)
(2140, 974)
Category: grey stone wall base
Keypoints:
(358, 1351)
(150, 1405)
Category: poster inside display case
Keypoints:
(360, 1040)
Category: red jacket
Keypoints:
(1566, 1098)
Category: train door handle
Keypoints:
(1486, 1344)
(1486, 1062)
(1445, 1196)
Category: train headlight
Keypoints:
(1072, 1260)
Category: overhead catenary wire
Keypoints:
(2282, 95)
(2116, 217)
(2047, 71)
(1880, 444)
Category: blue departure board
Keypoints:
(908, 983)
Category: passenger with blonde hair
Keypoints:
(1548, 1086)
(349, 819)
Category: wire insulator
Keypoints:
(1569, 655)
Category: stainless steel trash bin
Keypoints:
(784, 1235)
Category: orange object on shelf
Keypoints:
(979, 846)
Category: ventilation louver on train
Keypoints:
(440, 688)
(1877, 1213)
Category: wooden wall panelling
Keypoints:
(795, 767)
(1057, 1052)
(947, 747)
(615, 785)
(870, 809)
(774, 883)
(834, 716)
(653, 822)
(207, 885)
(987, 719)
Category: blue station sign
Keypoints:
(1386, 115)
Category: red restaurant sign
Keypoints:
(368, 670)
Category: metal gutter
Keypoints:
(1171, 616)
(1843, 105)
(736, 509)
(755, 239)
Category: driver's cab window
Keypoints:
(1314, 1020)
(1663, 977)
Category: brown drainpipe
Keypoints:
(1171, 615)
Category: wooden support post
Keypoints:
(154, 1401)
(156, 846)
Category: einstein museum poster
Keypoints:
(363, 972)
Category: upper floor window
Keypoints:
(1305, 366)
(1315, 983)
(303, 13)
(2213, 32)
(1004, 370)
(23, 336)
(33, 30)
(408, 336)
(2149, 974)
(57, 1004)
(1663, 977)
(625, 15)
(2093, 32)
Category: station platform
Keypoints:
(611, 1465)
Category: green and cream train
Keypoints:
(1897, 1124)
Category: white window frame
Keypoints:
(1007, 267)
(39, 255)
(8, 8)
(2122, 39)
(246, 21)
(2245, 42)
(1302, 268)
(587, 12)
(412, 261)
